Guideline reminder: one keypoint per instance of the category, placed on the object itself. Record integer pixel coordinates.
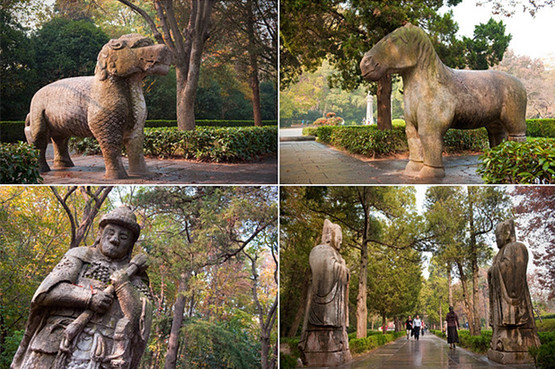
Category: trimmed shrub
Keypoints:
(457, 140)
(479, 343)
(209, 123)
(13, 131)
(309, 131)
(531, 162)
(19, 164)
(544, 356)
(213, 144)
(359, 345)
(540, 128)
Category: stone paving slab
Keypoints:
(90, 170)
(430, 352)
(312, 162)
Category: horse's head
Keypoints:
(394, 53)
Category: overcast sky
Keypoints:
(531, 36)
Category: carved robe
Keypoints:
(114, 336)
(509, 295)
(329, 287)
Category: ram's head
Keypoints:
(132, 54)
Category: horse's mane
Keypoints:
(415, 38)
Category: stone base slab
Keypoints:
(513, 357)
(325, 347)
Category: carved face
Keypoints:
(116, 241)
(504, 233)
(132, 54)
(392, 54)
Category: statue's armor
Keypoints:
(89, 269)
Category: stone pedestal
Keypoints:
(510, 345)
(503, 357)
(326, 347)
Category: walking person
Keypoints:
(452, 328)
(417, 324)
(408, 327)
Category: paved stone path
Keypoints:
(430, 352)
(90, 170)
(310, 162)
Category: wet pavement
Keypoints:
(430, 352)
(310, 162)
(90, 170)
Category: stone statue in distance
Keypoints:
(93, 310)
(511, 314)
(324, 340)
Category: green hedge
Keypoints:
(213, 144)
(540, 128)
(531, 162)
(19, 164)
(479, 343)
(13, 131)
(359, 345)
(545, 354)
(370, 141)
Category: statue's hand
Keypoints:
(119, 278)
(101, 301)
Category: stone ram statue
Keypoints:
(437, 97)
(109, 106)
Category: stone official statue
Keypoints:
(512, 319)
(92, 311)
(324, 340)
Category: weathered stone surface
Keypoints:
(437, 97)
(93, 309)
(324, 340)
(511, 315)
(109, 106)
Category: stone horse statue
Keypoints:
(437, 97)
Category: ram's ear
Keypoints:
(117, 44)
(101, 63)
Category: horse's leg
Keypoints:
(61, 152)
(431, 135)
(415, 149)
(496, 134)
(513, 114)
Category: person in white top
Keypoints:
(417, 324)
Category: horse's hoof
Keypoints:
(63, 164)
(427, 172)
(116, 175)
(413, 168)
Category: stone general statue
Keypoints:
(324, 340)
(92, 311)
(437, 97)
(109, 106)
(511, 315)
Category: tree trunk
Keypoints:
(449, 285)
(476, 331)
(300, 311)
(467, 301)
(440, 317)
(384, 102)
(187, 91)
(179, 308)
(362, 310)
(253, 58)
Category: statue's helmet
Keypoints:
(122, 216)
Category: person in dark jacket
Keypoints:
(452, 328)
(408, 326)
